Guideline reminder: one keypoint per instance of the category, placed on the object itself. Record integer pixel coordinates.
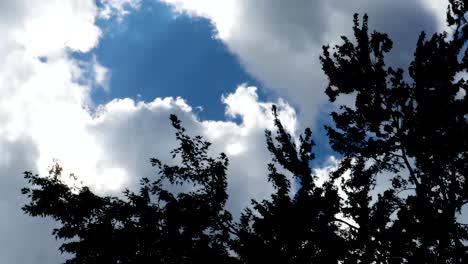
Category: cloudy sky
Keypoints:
(91, 83)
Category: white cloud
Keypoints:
(279, 42)
(101, 75)
(47, 28)
(135, 131)
(323, 172)
(244, 103)
(118, 8)
(223, 14)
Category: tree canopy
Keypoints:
(407, 128)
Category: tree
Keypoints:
(292, 227)
(412, 129)
(151, 226)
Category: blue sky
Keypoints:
(153, 54)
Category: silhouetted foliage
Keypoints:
(291, 227)
(395, 197)
(410, 130)
(151, 226)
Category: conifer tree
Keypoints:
(413, 131)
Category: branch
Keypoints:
(408, 166)
(346, 223)
(403, 153)
(395, 155)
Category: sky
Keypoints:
(92, 83)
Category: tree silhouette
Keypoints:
(151, 226)
(297, 229)
(411, 130)
(408, 129)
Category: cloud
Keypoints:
(279, 42)
(43, 111)
(46, 113)
(135, 131)
(117, 8)
(101, 74)
(23, 239)
(46, 28)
